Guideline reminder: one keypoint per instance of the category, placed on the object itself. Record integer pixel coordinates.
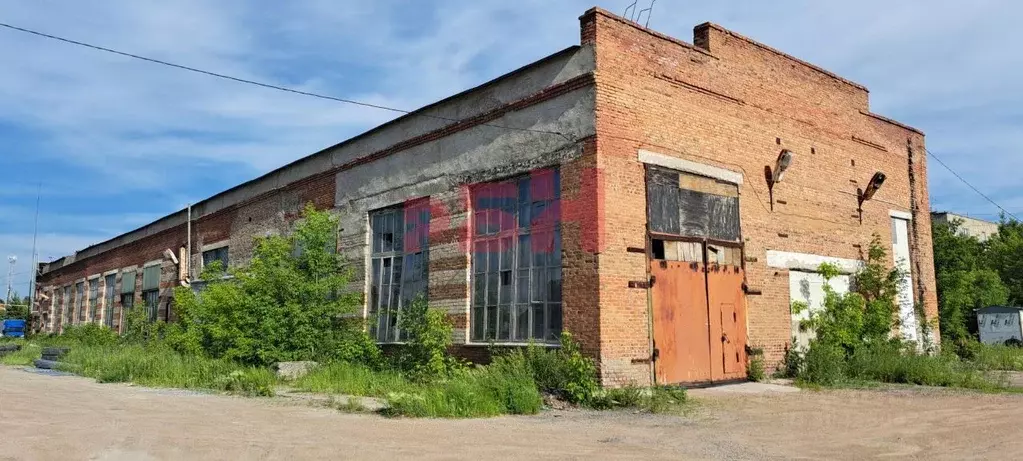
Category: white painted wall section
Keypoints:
(675, 163)
(810, 262)
(900, 253)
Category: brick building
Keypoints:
(620, 189)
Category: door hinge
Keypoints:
(655, 355)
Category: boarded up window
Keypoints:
(691, 206)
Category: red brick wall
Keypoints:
(734, 104)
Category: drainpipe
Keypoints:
(188, 254)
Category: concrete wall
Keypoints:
(972, 227)
(732, 103)
(537, 116)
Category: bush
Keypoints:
(292, 302)
(755, 369)
(504, 387)
(90, 334)
(425, 354)
(565, 372)
(823, 364)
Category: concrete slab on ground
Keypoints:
(746, 388)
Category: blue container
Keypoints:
(14, 328)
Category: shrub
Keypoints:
(425, 354)
(503, 387)
(755, 369)
(90, 334)
(823, 363)
(292, 302)
(564, 372)
(138, 329)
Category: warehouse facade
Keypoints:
(625, 190)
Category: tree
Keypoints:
(963, 267)
(16, 308)
(1005, 256)
(292, 302)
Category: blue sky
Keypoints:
(117, 142)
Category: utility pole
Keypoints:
(10, 276)
(35, 256)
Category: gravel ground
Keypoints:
(66, 418)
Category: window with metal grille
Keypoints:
(93, 299)
(151, 291)
(516, 259)
(216, 254)
(108, 302)
(80, 301)
(127, 290)
(399, 264)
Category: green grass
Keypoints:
(28, 353)
(353, 379)
(891, 364)
(162, 367)
(658, 399)
(997, 357)
(496, 389)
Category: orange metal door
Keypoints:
(728, 322)
(681, 322)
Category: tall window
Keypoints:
(127, 291)
(108, 302)
(80, 300)
(93, 299)
(67, 306)
(399, 266)
(216, 254)
(516, 259)
(151, 290)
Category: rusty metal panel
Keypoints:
(728, 322)
(680, 316)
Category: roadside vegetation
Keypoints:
(854, 342)
(293, 303)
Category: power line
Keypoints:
(392, 109)
(262, 84)
(950, 170)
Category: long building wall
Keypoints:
(596, 114)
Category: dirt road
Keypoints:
(66, 418)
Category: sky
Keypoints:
(114, 143)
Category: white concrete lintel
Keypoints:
(155, 262)
(900, 214)
(810, 262)
(675, 163)
(215, 245)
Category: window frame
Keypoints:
(93, 300)
(109, 298)
(151, 296)
(220, 253)
(533, 218)
(79, 301)
(405, 254)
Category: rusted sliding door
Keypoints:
(697, 301)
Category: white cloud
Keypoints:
(109, 126)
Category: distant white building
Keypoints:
(973, 227)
